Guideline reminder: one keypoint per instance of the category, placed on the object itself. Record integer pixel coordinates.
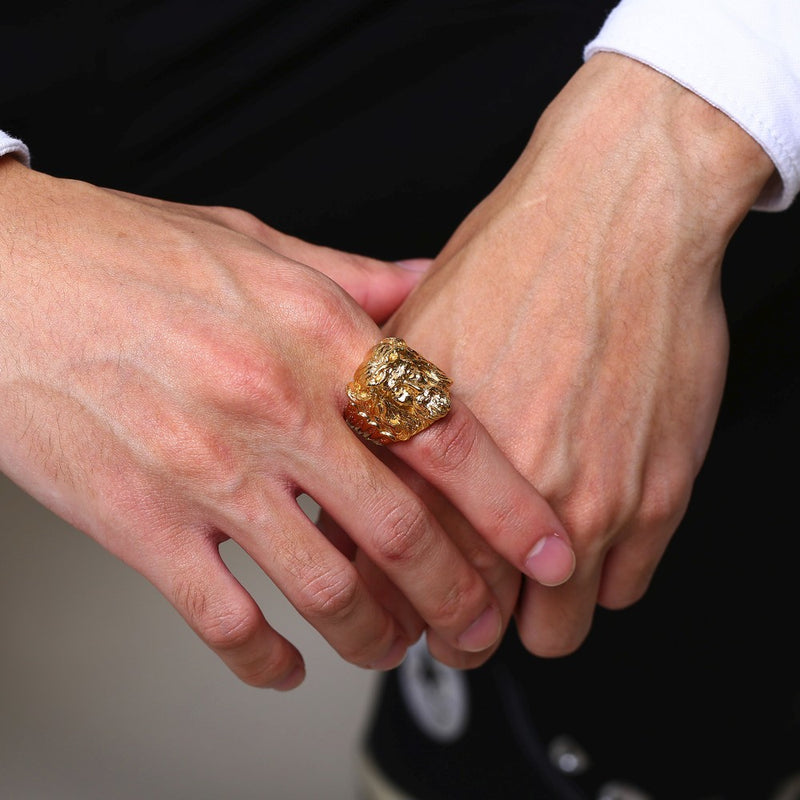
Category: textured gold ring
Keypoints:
(395, 394)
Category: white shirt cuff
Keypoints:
(11, 146)
(741, 56)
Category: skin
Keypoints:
(597, 364)
(173, 376)
(578, 309)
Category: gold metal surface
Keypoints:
(395, 393)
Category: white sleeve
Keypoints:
(742, 56)
(11, 146)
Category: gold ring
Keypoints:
(395, 394)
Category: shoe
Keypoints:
(437, 733)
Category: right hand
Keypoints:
(173, 376)
(588, 288)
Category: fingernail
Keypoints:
(483, 633)
(551, 562)
(395, 656)
(291, 681)
(415, 264)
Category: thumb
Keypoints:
(379, 287)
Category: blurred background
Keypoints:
(105, 693)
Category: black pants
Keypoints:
(375, 127)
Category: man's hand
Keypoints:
(578, 308)
(173, 376)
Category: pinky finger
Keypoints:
(554, 621)
(224, 615)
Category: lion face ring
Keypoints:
(395, 394)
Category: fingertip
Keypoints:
(483, 633)
(291, 681)
(384, 287)
(551, 562)
(452, 657)
(394, 658)
(415, 264)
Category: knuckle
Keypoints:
(196, 455)
(594, 511)
(234, 633)
(457, 659)
(321, 313)
(565, 642)
(192, 602)
(664, 500)
(223, 629)
(332, 596)
(511, 515)
(230, 630)
(482, 557)
(362, 651)
(264, 670)
(615, 598)
(252, 378)
(597, 510)
(590, 528)
(261, 389)
(238, 219)
(404, 534)
(449, 608)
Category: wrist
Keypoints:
(621, 127)
(719, 159)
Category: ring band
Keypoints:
(395, 394)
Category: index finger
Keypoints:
(398, 397)
(459, 457)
